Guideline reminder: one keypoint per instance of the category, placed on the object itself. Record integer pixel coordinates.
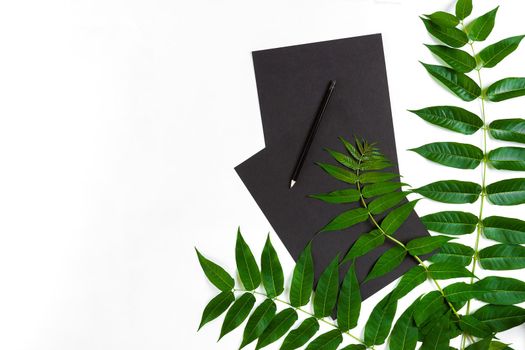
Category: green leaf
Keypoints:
(279, 326)
(215, 274)
(397, 217)
(339, 173)
(343, 159)
(505, 89)
(463, 9)
(258, 321)
(452, 118)
(425, 245)
(450, 36)
(216, 307)
(391, 259)
(246, 265)
(458, 83)
(461, 292)
(502, 257)
(410, 280)
(480, 28)
(452, 154)
(454, 253)
(326, 290)
(430, 306)
(500, 317)
(302, 279)
(458, 59)
(346, 219)
(446, 270)
(508, 158)
(375, 165)
(443, 19)
(439, 337)
(496, 345)
(349, 304)
(237, 313)
(380, 321)
(381, 188)
(350, 148)
(479, 345)
(471, 325)
(504, 230)
(383, 203)
(507, 192)
(348, 195)
(501, 290)
(374, 177)
(301, 335)
(495, 53)
(364, 244)
(508, 130)
(451, 191)
(404, 334)
(327, 341)
(271, 271)
(451, 222)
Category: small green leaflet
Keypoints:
(216, 307)
(381, 188)
(458, 59)
(463, 9)
(502, 257)
(327, 341)
(350, 148)
(450, 36)
(397, 217)
(348, 195)
(391, 259)
(339, 173)
(443, 19)
(439, 337)
(405, 333)
(452, 154)
(383, 203)
(458, 83)
(483, 344)
(451, 191)
(454, 253)
(410, 280)
(446, 270)
(430, 306)
(215, 274)
(500, 317)
(301, 335)
(451, 222)
(258, 321)
(364, 244)
(461, 292)
(471, 325)
(380, 321)
(501, 290)
(495, 53)
(246, 265)
(480, 28)
(326, 290)
(374, 177)
(508, 158)
(504, 230)
(302, 279)
(425, 245)
(507, 192)
(349, 304)
(271, 271)
(346, 219)
(452, 118)
(237, 313)
(508, 130)
(280, 324)
(505, 89)
(344, 159)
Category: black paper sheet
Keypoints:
(291, 82)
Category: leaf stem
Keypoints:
(361, 341)
(399, 243)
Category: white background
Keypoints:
(120, 125)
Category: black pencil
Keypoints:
(312, 132)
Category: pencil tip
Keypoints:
(292, 183)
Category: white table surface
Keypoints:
(121, 122)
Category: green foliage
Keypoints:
(480, 28)
(454, 253)
(452, 118)
(302, 279)
(216, 274)
(507, 192)
(458, 83)
(451, 222)
(463, 9)
(405, 333)
(216, 307)
(505, 89)
(246, 265)
(378, 325)
(504, 230)
(237, 313)
(507, 158)
(327, 341)
(451, 191)
(425, 245)
(502, 257)
(449, 36)
(271, 271)
(452, 154)
(493, 54)
(278, 327)
(258, 321)
(301, 335)
(326, 290)
(508, 130)
(349, 303)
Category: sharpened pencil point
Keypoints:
(292, 183)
